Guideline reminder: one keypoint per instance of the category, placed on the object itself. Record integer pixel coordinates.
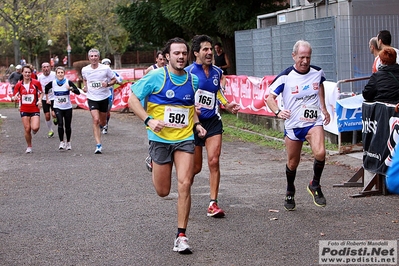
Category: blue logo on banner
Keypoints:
(349, 114)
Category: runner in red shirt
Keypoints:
(28, 92)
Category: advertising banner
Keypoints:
(380, 134)
(349, 113)
(249, 92)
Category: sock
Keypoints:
(318, 167)
(181, 231)
(212, 201)
(49, 125)
(290, 179)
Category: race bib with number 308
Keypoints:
(28, 98)
(95, 84)
(205, 99)
(309, 113)
(176, 117)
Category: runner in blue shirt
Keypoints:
(207, 101)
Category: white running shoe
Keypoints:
(62, 145)
(105, 130)
(181, 245)
(98, 149)
(28, 150)
(68, 146)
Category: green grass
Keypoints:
(236, 128)
(7, 105)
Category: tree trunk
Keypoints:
(17, 55)
(117, 61)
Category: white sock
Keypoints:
(49, 125)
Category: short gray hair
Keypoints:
(94, 51)
(301, 43)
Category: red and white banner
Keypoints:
(121, 96)
(248, 92)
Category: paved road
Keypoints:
(78, 208)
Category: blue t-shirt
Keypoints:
(206, 96)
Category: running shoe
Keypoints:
(98, 149)
(148, 163)
(34, 132)
(289, 204)
(50, 134)
(28, 150)
(181, 245)
(68, 146)
(318, 197)
(55, 121)
(215, 211)
(62, 146)
(104, 131)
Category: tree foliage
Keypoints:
(113, 25)
(24, 18)
(158, 20)
(31, 23)
(146, 23)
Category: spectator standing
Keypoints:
(22, 62)
(383, 85)
(160, 61)
(56, 60)
(15, 76)
(9, 70)
(220, 58)
(302, 91)
(384, 39)
(52, 63)
(374, 50)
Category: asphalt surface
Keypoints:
(78, 208)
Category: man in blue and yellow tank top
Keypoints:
(170, 119)
(207, 100)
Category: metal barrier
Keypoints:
(354, 147)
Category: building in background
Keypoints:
(339, 31)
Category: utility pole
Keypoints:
(69, 49)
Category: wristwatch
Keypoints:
(277, 112)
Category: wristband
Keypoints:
(196, 124)
(147, 119)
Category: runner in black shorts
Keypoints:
(207, 99)
(101, 106)
(97, 78)
(213, 126)
(45, 78)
